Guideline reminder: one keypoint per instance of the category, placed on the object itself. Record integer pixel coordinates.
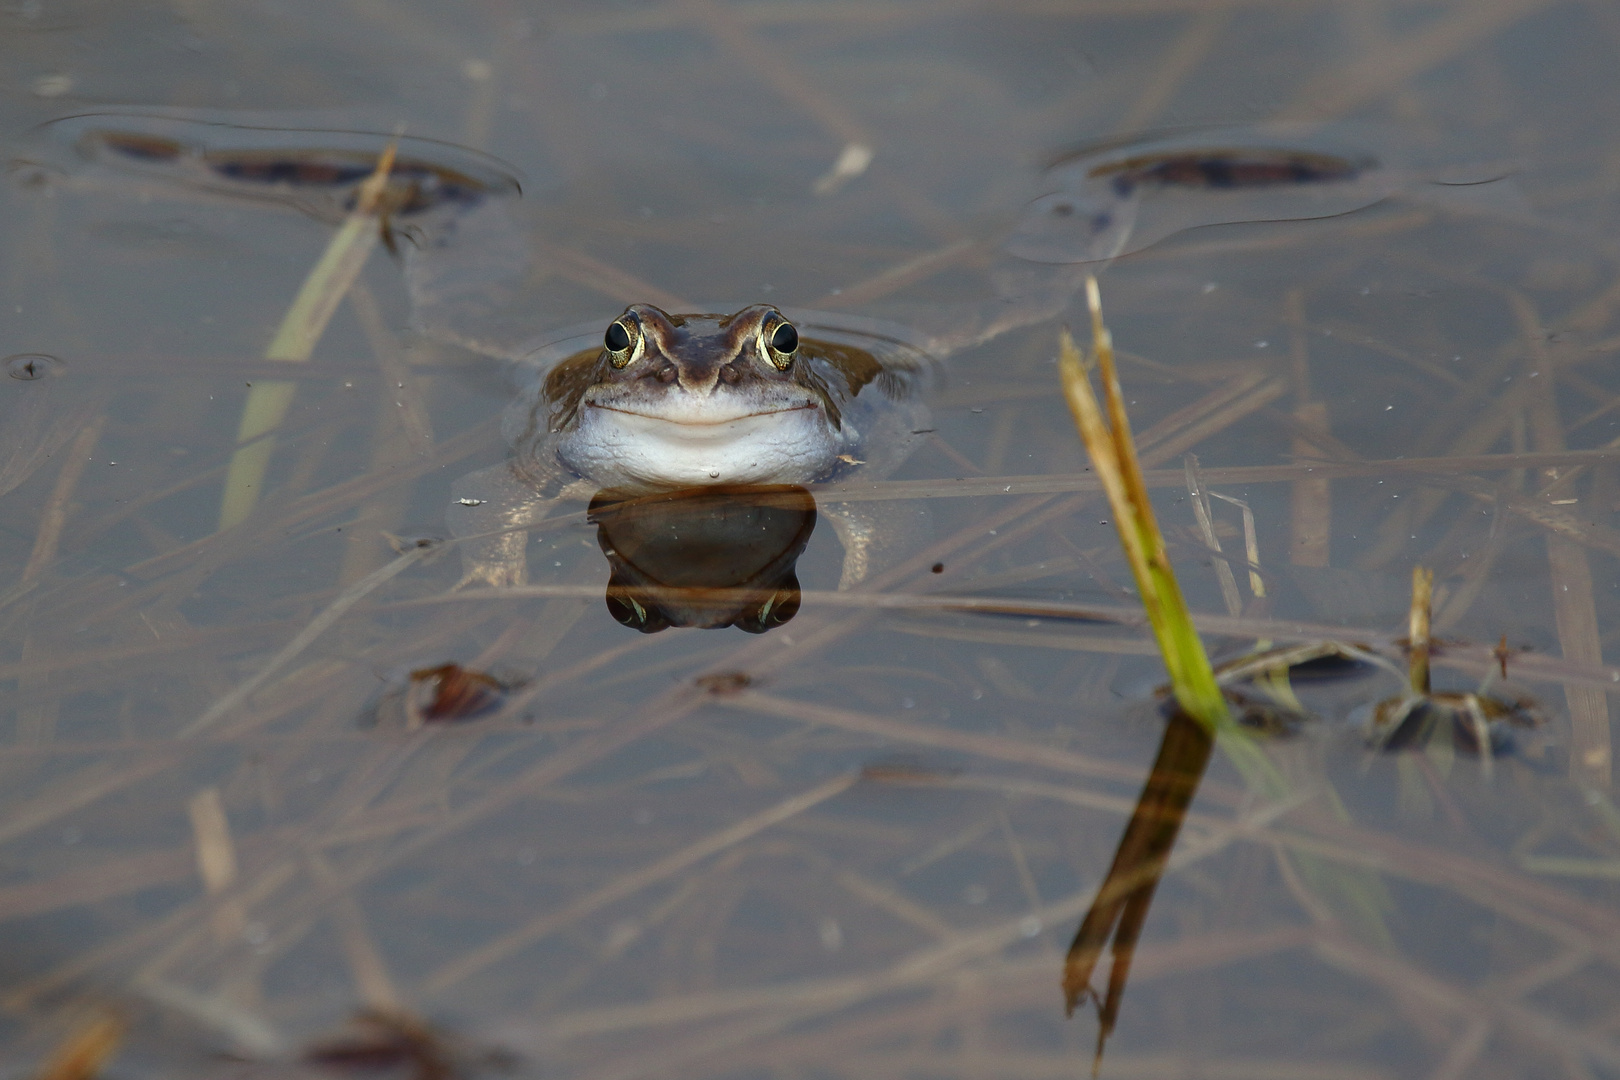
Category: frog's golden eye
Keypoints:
(620, 341)
(781, 343)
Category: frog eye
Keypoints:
(620, 341)
(781, 344)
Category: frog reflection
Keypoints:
(707, 557)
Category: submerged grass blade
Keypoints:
(1418, 628)
(1206, 528)
(301, 328)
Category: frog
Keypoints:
(663, 401)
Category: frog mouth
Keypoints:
(704, 422)
(736, 443)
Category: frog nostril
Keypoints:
(665, 374)
(730, 375)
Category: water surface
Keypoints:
(860, 842)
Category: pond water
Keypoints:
(270, 761)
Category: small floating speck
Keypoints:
(52, 86)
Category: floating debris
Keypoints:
(26, 367)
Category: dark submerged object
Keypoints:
(1111, 199)
(318, 172)
(707, 557)
(1229, 169)
(394, 1043)
(450, 693)
(441, 695)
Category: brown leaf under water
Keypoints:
(450, 693)
(390, 1040)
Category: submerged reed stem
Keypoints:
(301, 329)
(1418, 629)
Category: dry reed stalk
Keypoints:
(54, 519)
(85, 1052)
(216, 862)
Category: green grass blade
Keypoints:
(1113, 456)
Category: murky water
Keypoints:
(261, 777)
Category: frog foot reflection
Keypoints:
(1260, 688)
(490, 513)
(1475, 723)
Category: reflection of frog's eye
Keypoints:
(783, 342)
(618, 341)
